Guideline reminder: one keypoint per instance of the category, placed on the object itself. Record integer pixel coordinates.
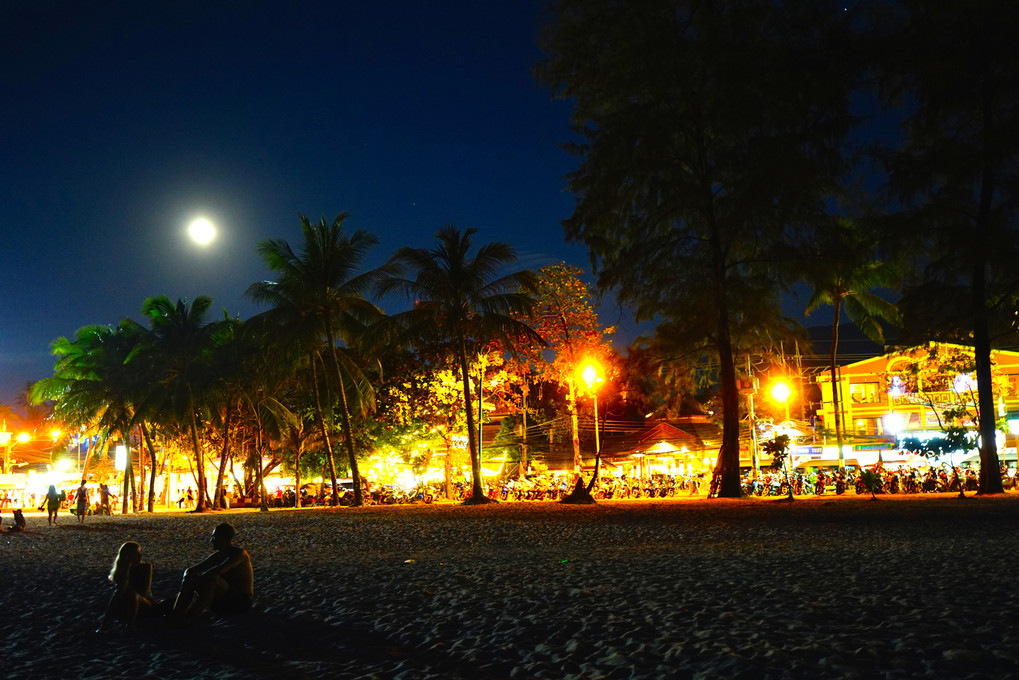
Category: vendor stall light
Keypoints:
(893, 423)
(895, 388)
(120, 461)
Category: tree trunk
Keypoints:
(263, 505)
(201, 501)
(348, 432)
(322, 424)
(836, 384)
(218, 501)
(478, 496)
(575, 427)
(447, 470)
(128, 477)
(150, 504)
(297, 474)
(990, 474)
(522, 466)
(141, 472)
(727, 468)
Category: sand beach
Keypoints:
(902, 587)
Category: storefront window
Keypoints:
(865, 393)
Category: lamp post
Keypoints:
(5, 438)
(592, 378)
(5, 441)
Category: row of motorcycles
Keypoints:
(911, 482)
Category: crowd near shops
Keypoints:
(100, 499)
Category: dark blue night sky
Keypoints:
(123, 120)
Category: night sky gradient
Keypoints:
(123, 120)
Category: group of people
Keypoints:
(222, 582)
(54, 499)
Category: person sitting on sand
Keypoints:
(223, 581)
(19, 522)
(133, 579)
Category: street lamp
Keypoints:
(592, 378)
(5, 439)
(780, 392)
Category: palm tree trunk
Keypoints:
(477, 490)
(200, 502)
(263, 504)
(297, 474)
(348, 433)
(218, 497)
(128, 475)
(322, 424)
(141, 470)
(150, 503)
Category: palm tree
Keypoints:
(96, 382)
(181, 342)
(318, 296)
(843, 278)
(462, 303)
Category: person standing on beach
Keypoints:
(52, 503)
(223, 581)
(104, 500)
(81, 502)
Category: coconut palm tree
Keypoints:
(843, 277)
(318, 304)
(463, 303)
(96, 382)
(180, 345)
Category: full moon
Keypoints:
(202, 231)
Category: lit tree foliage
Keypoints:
(566, 320)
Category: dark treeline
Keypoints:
(730, 150)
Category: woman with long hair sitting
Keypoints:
(133, 579)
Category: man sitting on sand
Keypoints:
(223, 581)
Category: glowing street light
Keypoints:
(5, 440)
(780, 392)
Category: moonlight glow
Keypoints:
(202, 231)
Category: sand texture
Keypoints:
(849, 588)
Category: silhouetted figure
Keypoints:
(81, 502)
(104, 500)
(52, 502)
(223, 582)
(133, 579)
(19, 525)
